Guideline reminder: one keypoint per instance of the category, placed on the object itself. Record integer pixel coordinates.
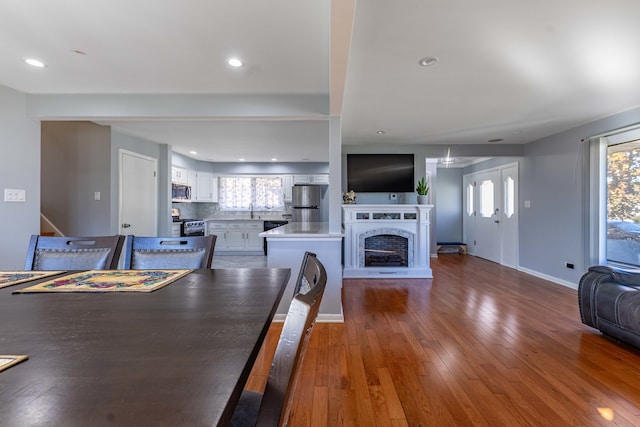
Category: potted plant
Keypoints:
(423, 189)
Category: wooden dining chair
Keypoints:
(272, 407)
(145, 253)
(73, 253)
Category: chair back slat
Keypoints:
(73, 253)
(293, 342)
(142, 253)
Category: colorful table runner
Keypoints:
(6, 361)
(109, 281)
(10, 278)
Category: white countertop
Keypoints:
(246, 218)
(301, 230)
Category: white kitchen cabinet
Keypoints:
(287, 184)
(203, 188)
(319, 179)
(179, 175)
(237, 236)
(214, 188)
(252, 241)
(218, 229)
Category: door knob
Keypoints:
(126, 225)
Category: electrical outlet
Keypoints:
(13, 195)
(393, 196)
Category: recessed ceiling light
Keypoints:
(242, 160)
(380, 132)
(235, 62)
(428, 61)
(34, 62)
(496, 140)
(274, 160)
(193, 152)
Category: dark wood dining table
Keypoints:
(178, 356)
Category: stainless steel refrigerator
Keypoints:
(306, 203)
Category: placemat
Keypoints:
(109, 281)
(7, 361)
(10, 278)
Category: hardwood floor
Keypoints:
(479, 344)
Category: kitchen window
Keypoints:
(245, 193)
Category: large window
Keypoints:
(246, 193)
(623, 203)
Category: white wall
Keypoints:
(19, 169)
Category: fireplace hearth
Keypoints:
(384, 240)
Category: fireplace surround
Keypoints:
(386, 241)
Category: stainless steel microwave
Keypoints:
(180, 193)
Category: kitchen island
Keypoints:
(286, 247)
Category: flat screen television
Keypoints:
(380, 173)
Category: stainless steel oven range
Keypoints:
(192, 227)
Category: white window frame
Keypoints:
(596, 200)
(252, 200)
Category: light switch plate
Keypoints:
(14, 195)
(527, 203)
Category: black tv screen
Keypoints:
(380, 173)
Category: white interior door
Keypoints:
(488, 236)
(510, 214)
(138, 194)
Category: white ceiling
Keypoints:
(506, 70)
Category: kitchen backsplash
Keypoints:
(209, 210)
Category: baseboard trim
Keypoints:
(549, 278)
(322, 318)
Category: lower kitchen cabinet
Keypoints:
(237, 236)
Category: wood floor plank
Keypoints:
(477, 345)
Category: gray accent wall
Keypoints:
(19, 169)
(448, 205)
(554, 177)
(76, 165)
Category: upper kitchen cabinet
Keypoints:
(205, 189)
(203, 185)
(179, 175)
(321, 179)
(287, 184)
(202, 188)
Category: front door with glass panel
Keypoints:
(488, 239)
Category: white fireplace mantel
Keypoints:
(405, 220)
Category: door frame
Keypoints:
(469, 227)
